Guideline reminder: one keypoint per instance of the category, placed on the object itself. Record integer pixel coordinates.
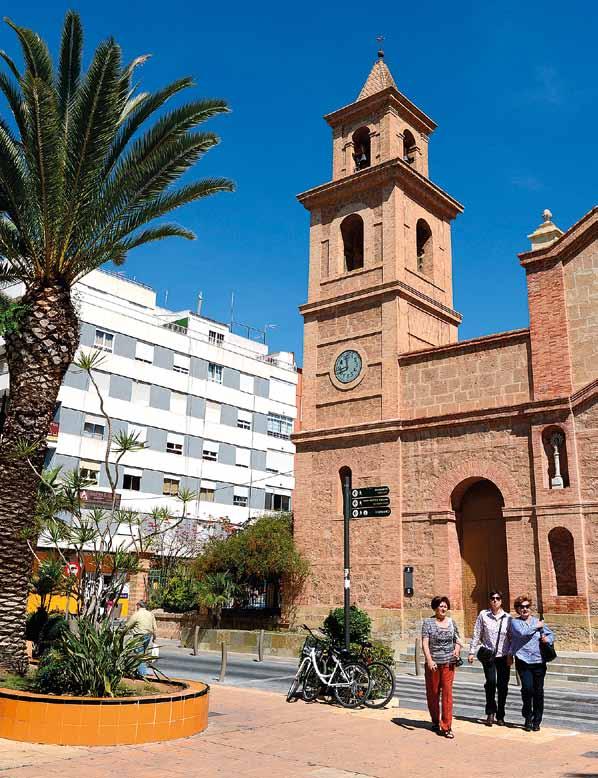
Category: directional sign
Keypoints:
(370, 491)
(370, 502)
(364, 513)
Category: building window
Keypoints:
(240, 496)
(210, 451)
(140, 394)
(246, 383)
(144, 352)
(243, 457)
(104, 341)
(206, 494)
(562, 551)
(178, 403)
(215, 373)
(279, 426)
(94, 428)
(352, 233)
(132, 482)
(181, 364)
(174, 443)
(361, 148)
(409, 147)
(213, 412)
(90, 471)
(215, 337)
(424, 247)
(244, 420)
(171, 486)
(278, 502)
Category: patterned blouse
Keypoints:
(442, 641)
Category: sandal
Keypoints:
(449, 734)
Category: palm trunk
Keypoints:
(38, 357)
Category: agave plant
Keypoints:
(87, 164)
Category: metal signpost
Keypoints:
(371, 501)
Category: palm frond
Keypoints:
(35, 52)
(14, 100)
(71, 47)
(10, 62)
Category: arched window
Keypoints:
(408, 147)
(362, 153)
(423, 235)
(352, 232)
(562, 551)
(555, 450)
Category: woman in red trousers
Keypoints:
(440, 642)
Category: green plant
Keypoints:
(90, 661)
(48, 581)
(360, 625)
(180, 593)
(215, 591)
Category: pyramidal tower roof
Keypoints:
(380, 78)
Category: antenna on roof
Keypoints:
(232, 310)
(199, 303)
(166, 298)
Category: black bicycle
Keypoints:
(383, 680)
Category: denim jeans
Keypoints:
(143, 649)
(532, 689)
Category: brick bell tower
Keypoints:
(380, 284)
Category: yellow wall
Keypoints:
(58, 603)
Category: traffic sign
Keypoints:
(370, 491)
(370, 502)
(364, 513)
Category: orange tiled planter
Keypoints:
(93, 721)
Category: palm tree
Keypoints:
(81, 177)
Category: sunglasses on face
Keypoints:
(496, 598)
(524, 607)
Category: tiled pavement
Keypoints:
(255, 733)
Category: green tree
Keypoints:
(215, 592)
(82, 179)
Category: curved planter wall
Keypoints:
(92, 721)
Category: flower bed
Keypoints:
(93, 721)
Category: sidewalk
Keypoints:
(255, 733)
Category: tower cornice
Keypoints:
(412, 183)
(389, 97)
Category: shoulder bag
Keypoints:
(487, 655)
(547, 651)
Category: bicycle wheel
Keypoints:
(311, 685)
(383, 685)
(295, 683)
(358, 687)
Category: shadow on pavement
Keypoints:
(418, 724)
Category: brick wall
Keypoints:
(465, 377)
(581, 293)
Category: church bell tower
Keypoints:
(380, 276)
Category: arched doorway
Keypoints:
(482, 535)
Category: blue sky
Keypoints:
(512, 87)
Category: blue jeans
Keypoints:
(143, 649)
(532, 689)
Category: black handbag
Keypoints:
(487, 655)
(547, 651)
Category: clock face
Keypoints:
(347, 366)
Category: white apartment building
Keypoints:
(215, 409)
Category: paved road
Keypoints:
(563, 707)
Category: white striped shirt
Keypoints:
(485, 632)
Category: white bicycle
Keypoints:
(324, 667)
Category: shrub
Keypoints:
(43, 629)
(179, 594)
(360, 625)
(91, 661)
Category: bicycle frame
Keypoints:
(327, 680)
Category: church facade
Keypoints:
(489, 446)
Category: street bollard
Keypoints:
(222, 661)
(260, 646)
(418, 655)
(195, 641)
